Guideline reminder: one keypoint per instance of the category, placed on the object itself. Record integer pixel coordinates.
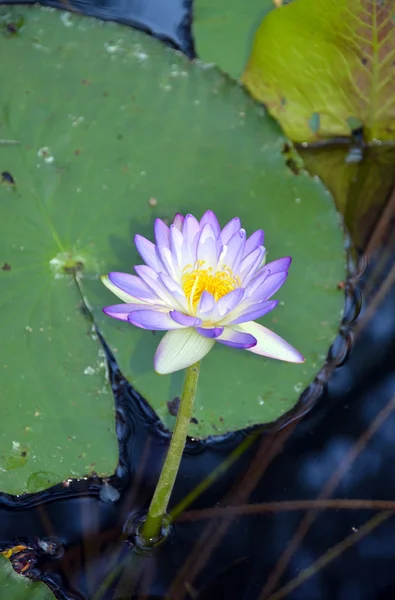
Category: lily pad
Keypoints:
(326, 68)
(224, 31)
(19, 587)
(56, 407)
(116, 130)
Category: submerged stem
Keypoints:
(152, 526)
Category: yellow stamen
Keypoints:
(198, 280)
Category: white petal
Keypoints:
(221, 258)
(176, 244)
(166, 258)
(179, 349)
(269, 343)
(207, 247)
(190, 231)
(121, 294)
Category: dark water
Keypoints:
(168, 20)
(347, 435)
(342, 449)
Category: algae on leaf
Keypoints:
(326, 67)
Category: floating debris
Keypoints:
(108, 493)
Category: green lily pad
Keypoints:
(56, 408)
(116, 130)
(18, 587)
(325, 68)
(224, 31)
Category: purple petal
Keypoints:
(229, 301)
(270, 344)
(250, 264)
(209, 218)
(120, 293)
(271, 286)
(153, 320)
(147, 251)
(206, 304)
(131, 285)
(277, 267)
(236, 339)
(185, 320)
(237, 261)
(212, 333)
(122, 311)
(174, 289)
(178, 221)
(232, 250)
(144, 271)
(166, 258)
(256, 311)
(256, 282)
(281, 264)
(229, 230)
(162, 233)
(151, 279)
(254, 241)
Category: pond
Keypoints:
(285, 489)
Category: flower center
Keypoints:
(198, 280)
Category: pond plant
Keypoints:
(283, 122)
(202, 284)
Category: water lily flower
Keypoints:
(202, 284)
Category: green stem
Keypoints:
(152, 525)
